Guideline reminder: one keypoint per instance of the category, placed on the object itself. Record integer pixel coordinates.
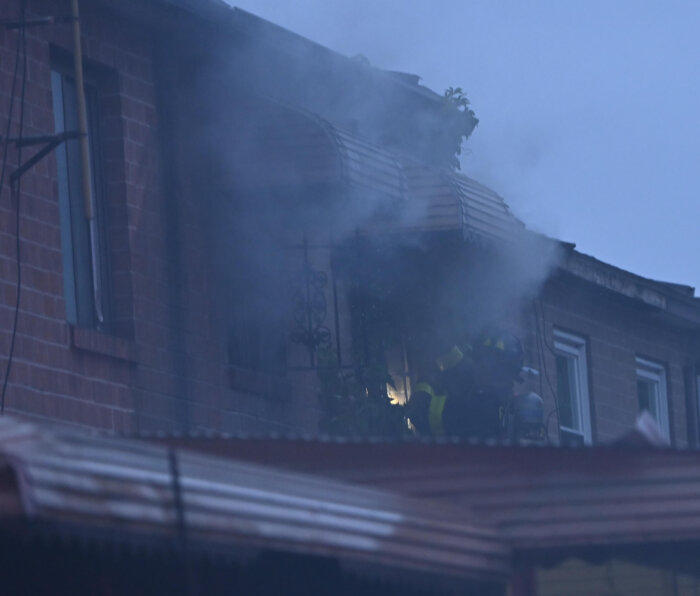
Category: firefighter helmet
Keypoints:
(501, 349)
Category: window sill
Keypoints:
(89, 340)
(264, 385)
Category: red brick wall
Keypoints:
(166, 367)
(81, 378)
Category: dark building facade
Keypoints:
(267, 210)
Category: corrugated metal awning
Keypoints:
(536, 497)
(280, 147)
(117, 485)
(446, 201)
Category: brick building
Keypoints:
(264, 204)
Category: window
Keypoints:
(86, 263)
(257, 340)
(651, 392)
(259, 306)
(572, 389)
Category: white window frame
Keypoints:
(574, 347)
(654, 372)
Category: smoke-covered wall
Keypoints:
(269, 181)
(391, 110)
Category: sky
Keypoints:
(589, 110)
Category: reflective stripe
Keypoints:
(449, 359)
(437, 405)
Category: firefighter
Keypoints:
(469, 390)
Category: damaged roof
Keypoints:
(674, 301)
(228, 19)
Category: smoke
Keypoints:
(491, 285)
(279, 188)
(460, 288)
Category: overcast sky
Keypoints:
(589, 110)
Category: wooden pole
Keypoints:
(82, 113)
(89, 203)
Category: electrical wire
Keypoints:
(543, 339)
(15, 191)
(542, 343)
(6, 140)
(540, 351)
(542, 365)
(544, 335)
(541, 335)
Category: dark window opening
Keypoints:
(259, 324)
(647, 397)
(257, 344)
(564, 391)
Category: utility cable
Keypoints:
(542, 364)
(544, 336)
(15, 190)
(542, 342)
(540, 351)
(6, 138)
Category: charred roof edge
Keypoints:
(227, 18)
(664, 296)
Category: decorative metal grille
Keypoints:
(310, 307)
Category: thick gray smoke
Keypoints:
(489, 286)
(271, 181)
